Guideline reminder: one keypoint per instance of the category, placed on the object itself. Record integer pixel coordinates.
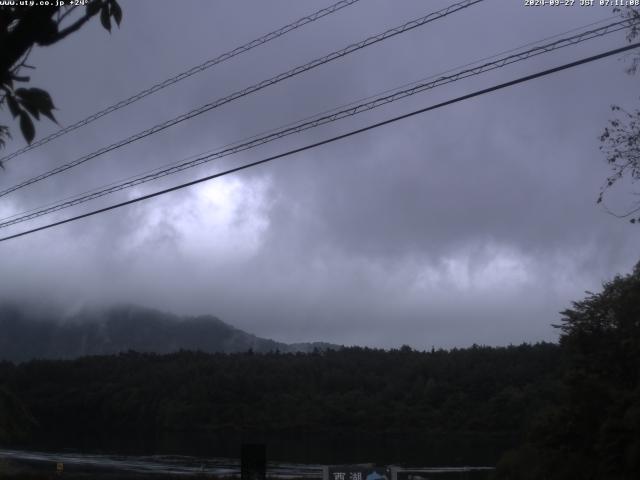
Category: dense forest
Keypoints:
(477, 389)
(481, 395)
(573, 408)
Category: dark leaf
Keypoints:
(37, 101)
(104, 17)
(93, 6)
(43, 97)
(49, 115)
(31, 109)
(116, 12)
(38, 97)
(14, 108)
(26, 126)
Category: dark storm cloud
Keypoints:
(474, 223)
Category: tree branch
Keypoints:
(70, 29)
(62, 16)
(22, 37)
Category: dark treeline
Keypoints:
(479, 389)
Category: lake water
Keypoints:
(183, 465)
(307, 448)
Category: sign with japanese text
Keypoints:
(356, 472)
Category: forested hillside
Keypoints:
(29, 333)
(479, 389)
(15, 421)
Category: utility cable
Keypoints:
(333, 139)
(351, 111)
(249, 90)
(188, 73)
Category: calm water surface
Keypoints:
(157, 465)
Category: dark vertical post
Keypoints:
(253, 461)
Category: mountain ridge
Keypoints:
(27, 335)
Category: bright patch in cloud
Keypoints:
(477, 269)
(225, 219)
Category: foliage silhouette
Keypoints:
(479, 389)
(21, 29)
(593, 430)
(620, 140)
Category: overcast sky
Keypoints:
(475, 223)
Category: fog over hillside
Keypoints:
(30, 332)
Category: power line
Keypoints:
(254, 88)
(334, 109)
(325, 112)
(318, 121)
(158, 173)
(334, 139)
(188, 73)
